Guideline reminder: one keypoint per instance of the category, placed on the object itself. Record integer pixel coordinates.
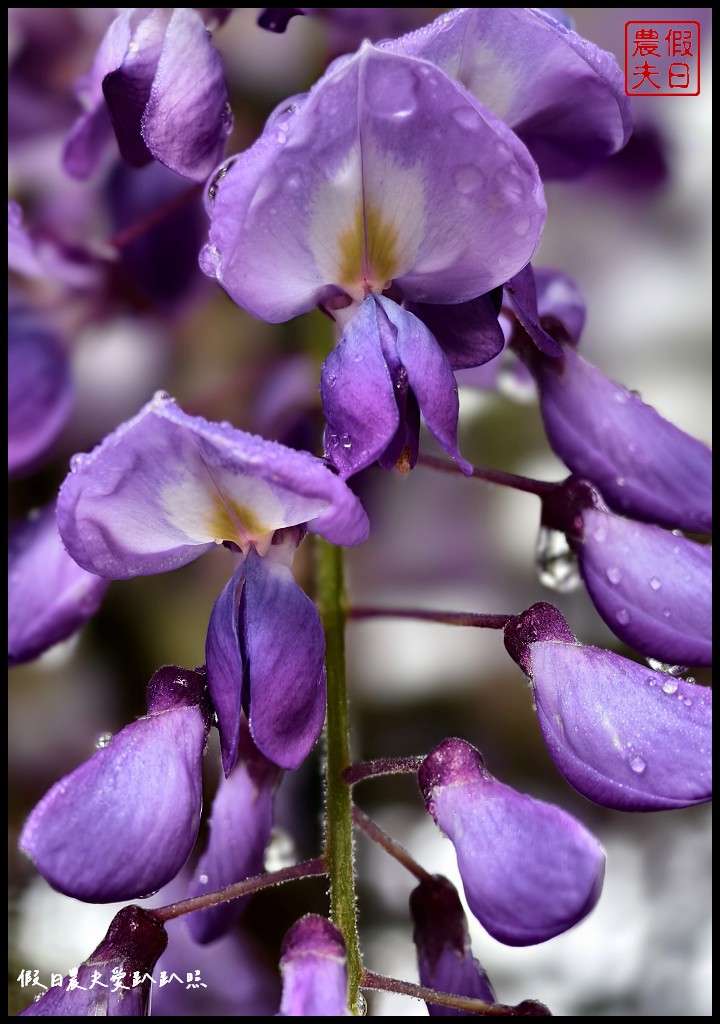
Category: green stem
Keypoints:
(338, 799)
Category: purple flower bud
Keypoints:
(624, 736)
(445, 959)
(240, 823)
(49, 596)
(313, 965)
(123, 824)
(530, 871)
(133, 945)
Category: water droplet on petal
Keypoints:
(466, 117)
(468, 178)
(655, 583)
(76, 461)
(670, 686)
(623, 616)
(556, 565)
(600, 534)
(687, 702)
(103, 740)
(227, 120)
(203, 879)
(651, 680)
(661, 666)
(620, 481)
(161, 396)
(210, 260)
(345, 441)
(614, 574)
(331, 380)
(638, 765)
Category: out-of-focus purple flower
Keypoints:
(563, 96)
(240, 824)
(643, 466)
(45, 258)
(313, 965)
(158, 81)
(445, 959)
(653, 588)
(165, 487)
(530, 871)
(40, 391)
(49, 596)
(123, 824)
(128, 953)
(388, 183)
(624, 736)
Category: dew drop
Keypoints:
(623, 616)
(621, 397)
(620, 481)
(227, 120)
(280, 852)
(133, 47)
(655, 583)
(600, 534)
(103, 740)
(203, 879)
(217, 178)
(614, 574)
(466, 117)
(159, 397)
(638, 765)
(468, 178)
(661, 666)
(76, 461)
(556, 565)
(651, 680)
(331, 380)
(687, 702)
(345, 441)
(670, 686)
(210, 260)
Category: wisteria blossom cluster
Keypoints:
(403, 197)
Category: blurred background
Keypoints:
(636, 237)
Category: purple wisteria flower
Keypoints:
(164, 488)
(623, 735)
(123, 824)
(387, 184)
(240, 823)
(158, 82)
(562, 95)
(652, 587)
(40, 390)
(313, 965)
(116, 980)
(530, 871)
(440, 934)
(49, 596)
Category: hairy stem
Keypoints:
(478, 619)
(478, 1007)
(382, 766)
(338, 802)
(380, 836)
(541, 488)
(305, 869)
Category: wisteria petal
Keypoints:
(313, 965)
(560, 304)
(652, 588)
(127, 88)
(187, 120)
(93, 129)
(624, 736)
(123, 824)
(134, 943)
(165, 486)
(49, 596)
(240, 824)
(357, 392)
(522, 294)
(430, 378)
(40, 390)
(530, 871)
(284, 648)
(225, 666)
(468, 332)
(642, 464)
(445, 959)
(388, 171)
(560, 93)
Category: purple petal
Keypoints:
(187, 119)
(468, 333)
(430, 378)
(49, 596)
(560, 93)
(357, 393)
(560, 304)
(225, 666)
(123, 824)
(240, 824)
(134, 943)
(622, 735)
(165, 486)
(284, 648)
(522, 294)
(652, 588)
(352, 190)
(93, 129)
(40, 390)
(642, 464)
(313, 965)
(127, 89)
(530, 871)
(445, 959)
(43, 256)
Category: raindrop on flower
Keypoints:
(210, 260)
(670, 686)
(556, 565)
(345, 441)
(203, 879)
(638, 765)
(103, 740)
(76, 461)
(623, 616)
(655, 583)
(614, 574)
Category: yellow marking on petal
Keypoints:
(368, 251)
(229, 520)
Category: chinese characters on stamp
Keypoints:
(662, 58)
